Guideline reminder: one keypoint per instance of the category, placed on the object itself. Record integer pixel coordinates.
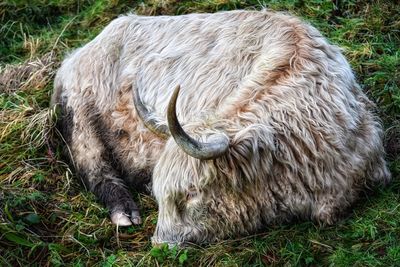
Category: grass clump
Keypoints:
(47, 218)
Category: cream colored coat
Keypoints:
(303, 141)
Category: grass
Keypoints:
(46, 218)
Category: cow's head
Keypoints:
(195, 204)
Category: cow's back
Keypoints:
(210, 55)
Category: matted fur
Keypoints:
(303, 140)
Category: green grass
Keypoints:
(47, 218)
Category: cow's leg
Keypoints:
(112, 191)
(94, 165)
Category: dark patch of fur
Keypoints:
(110, 190)
(138, 178)
(65, 123)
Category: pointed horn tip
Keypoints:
(145, 115)
(176, 94)
(171, 113)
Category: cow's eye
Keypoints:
(191, 193)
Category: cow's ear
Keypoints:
(249, 141)
(250, 153)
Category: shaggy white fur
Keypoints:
(302, 139)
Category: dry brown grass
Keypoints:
(33, 74)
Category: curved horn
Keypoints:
(211, 150)
(150, 122)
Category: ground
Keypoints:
(47, 218)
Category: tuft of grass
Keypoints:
(46, 218)
(33, 73)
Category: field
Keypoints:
(46, 217)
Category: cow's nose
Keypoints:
(157, 243)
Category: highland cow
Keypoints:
(237, 120)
